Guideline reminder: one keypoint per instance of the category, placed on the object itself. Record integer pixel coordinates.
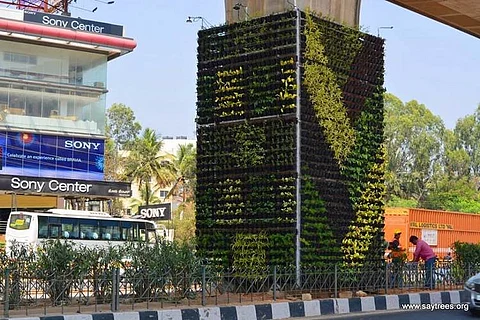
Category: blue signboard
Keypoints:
(39, 155)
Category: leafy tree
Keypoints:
(430, 166)
(467, 130)
(414, 140)
(453, 188)
(396, 201)
(457, 188)
(122, 127)
(111, 161)
(456, 158)
(184, 222)
(145, 164)
(454, 195)
(396, 155)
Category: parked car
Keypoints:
(472, 286)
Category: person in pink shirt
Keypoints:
(424, 252)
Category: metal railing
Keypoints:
(22, 294)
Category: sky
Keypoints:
(426, 61)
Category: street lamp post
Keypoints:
(378, 29)
(202, 19)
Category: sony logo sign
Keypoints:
(70, 144)
(152, 212)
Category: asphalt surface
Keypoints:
(400, 315)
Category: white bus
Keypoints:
(89, 228)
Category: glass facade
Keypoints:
(52, 89)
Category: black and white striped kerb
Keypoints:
(278, 310)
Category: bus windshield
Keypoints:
(20, 221)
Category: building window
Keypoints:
(59, 109)
(20, 58)
(163, 194)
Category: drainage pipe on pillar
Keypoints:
(298, 149)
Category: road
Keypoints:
(401, 315)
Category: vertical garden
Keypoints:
(251, 115)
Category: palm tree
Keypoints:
(185, 165)
(145, 165)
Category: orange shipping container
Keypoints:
(440, 229)
(396, 218)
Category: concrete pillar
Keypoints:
(343, 11)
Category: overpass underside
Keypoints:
(463, 15)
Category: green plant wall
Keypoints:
(247, 129)
(249, 255)
(343, 83)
